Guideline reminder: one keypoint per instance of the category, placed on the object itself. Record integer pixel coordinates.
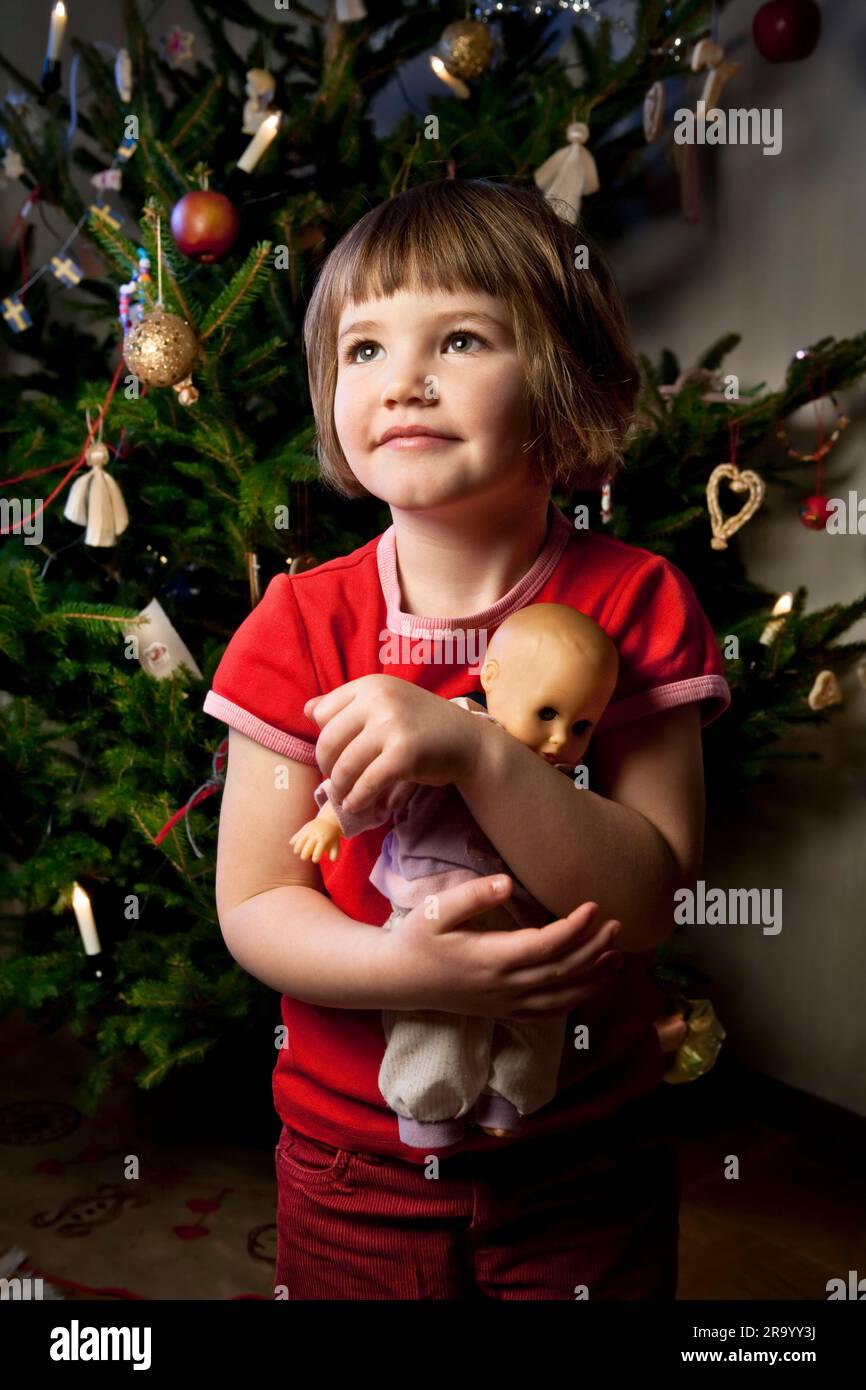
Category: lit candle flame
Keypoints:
(783, 605)
(459, 88)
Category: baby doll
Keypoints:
(548, 674)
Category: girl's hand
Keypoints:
(528, 974)
(379, 730)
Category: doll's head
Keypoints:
(538, 380)
(548, 674)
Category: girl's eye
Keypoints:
(465, 333)
(354, 348)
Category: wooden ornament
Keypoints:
(654, 112)
(825, 692)
(710, 55)
(741, 480)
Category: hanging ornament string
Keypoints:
(158, 304)
(815, 511)
(213, 784)
(822, 447)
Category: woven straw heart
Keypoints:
(745, 481)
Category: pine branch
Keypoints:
(240, 294)
(194, 122)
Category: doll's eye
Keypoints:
(581, 726)
(547, 713)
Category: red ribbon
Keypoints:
(207, 789)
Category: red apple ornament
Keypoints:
(815, 513)
(787, 30)
(205, 225)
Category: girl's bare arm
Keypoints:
(279, 925)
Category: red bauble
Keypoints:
(815, 512)
(205, 225)
(787, 30)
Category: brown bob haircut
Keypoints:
(506, 241)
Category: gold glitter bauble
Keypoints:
(466, 48)
(160, 349)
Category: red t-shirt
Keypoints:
(319, 629)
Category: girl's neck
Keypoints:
(449, 568)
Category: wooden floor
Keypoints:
(795, 1217)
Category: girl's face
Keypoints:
(448, 364)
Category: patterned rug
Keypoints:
(196, 1222)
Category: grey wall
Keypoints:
(780, 259)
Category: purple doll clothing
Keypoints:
(435, 843)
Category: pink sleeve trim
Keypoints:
(714, 688)
(238, 718)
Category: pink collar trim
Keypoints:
(559, 532)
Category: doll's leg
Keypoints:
(524, 1071)
(434, 1067)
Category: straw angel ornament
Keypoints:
(95, 500)
(571, 172)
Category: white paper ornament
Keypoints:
(107, 179)
(13, 168)
(123, 75)
(161, 649)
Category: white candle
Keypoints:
(781, 609)
(84, 916)
(56, 31)
(259, 143)
(459, 88)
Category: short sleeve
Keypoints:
(266, 676)
(668, 653)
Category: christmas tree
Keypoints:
(184, 444)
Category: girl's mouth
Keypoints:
(417, 441)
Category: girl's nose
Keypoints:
(410, 378)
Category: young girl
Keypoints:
(461, 368)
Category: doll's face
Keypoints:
(449, 363)
(547, 698)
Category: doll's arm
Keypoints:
(319, 836)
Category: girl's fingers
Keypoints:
(582, 962)
(561, 1001)
(469, 899)
(574, 938)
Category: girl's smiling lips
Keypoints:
(415, 437)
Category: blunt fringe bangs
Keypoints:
(507, 241)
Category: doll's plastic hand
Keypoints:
(379, 730)
(316, 839)
(455, 964)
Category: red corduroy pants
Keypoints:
(590, 1214)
